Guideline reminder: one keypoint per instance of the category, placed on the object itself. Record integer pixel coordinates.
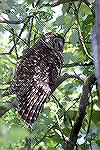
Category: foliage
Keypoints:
(74, 21)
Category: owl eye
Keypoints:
(58, 44)
(57, 40)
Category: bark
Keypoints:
(95, 39)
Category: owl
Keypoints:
(35, 75)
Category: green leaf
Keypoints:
(20, 9)
(74, 38)
(39, 26)
(1, 28)
(4, 7)
(12, 16)
(10, 3)
(65, 8)
(96, 117)
(39, 3)
(60, 20)
(68, 57)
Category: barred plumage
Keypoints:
(36, 73)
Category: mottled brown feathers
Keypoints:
(36, 73)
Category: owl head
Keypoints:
(54, 41)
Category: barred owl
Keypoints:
(36, 73)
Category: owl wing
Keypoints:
(32, 103)
(31, 83)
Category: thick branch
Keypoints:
(58, 2)
(4, 109)
(54, 125)
(63, 78)
(78, 123)
(87, 87)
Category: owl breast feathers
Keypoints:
(36, 73)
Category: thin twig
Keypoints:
(83, 43)
(80, 33)
(91, 7)
(39, 141)
(14, 42)
(69, 28)
(4, 20)
(30, 31)
(25, 24)
(79, 5)
(78, 64)
(18, 37)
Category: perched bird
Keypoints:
(36, 73)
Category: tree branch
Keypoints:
(87, 87)
(58, 2)
(4, 20)
(82, 108)
(55, 124)
(80, 33)
(4, 109)
(63, 78)
(78, 64)
(82, 111)
(30, 31)
(25, 24)
(18, 37)
(14, 43)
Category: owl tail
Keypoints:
(32, 104)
